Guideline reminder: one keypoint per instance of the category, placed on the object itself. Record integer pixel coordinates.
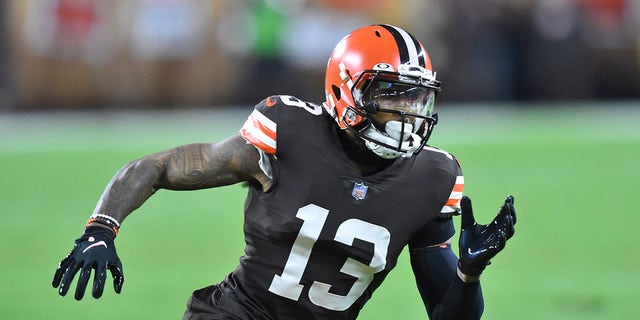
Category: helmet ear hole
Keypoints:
(336, 91)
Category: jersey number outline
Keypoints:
(288, 283)
(295, 102)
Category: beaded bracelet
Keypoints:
(106, 220)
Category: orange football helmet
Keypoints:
(382, 62)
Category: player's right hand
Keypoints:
(94, 250)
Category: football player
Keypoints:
(336, 191)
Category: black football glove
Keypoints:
(479, 243)
(93, 250)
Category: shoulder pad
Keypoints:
(434, 149)
(452, 205)
(260, 129)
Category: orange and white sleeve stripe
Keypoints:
(260, 131)
(453, 204)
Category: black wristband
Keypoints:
(93, 230)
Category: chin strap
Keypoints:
(411, 141)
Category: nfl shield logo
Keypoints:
(359, 191)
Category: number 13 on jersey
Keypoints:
(288, 284)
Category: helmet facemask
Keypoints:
(405, 104)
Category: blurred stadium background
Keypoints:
(541, 99)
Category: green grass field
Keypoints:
(573, 170)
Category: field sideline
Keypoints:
(572, 168)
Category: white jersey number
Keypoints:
(288, 284)
(294, 102)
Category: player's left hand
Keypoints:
(479, 243)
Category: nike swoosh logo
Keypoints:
(99, 243)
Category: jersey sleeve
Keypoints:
(260, 128)
(452, 205)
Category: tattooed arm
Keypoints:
(188, 167)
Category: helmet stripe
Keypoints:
(409, 48)
(420, 52)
